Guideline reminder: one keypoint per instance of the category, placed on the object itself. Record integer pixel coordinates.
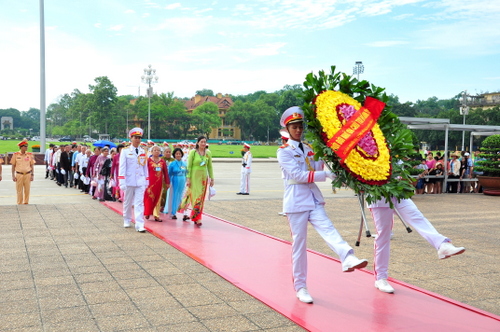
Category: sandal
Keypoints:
(174, 217)
(147, 217)
(198, 223)
(158, 219)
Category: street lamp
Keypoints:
(149, 77)
(464, 110)
(358, 68)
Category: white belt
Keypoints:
(292, 181)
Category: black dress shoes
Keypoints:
(239, 194)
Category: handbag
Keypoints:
(105, 168)
(211, 192)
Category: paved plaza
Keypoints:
(69, 265)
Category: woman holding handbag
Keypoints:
(199, 177)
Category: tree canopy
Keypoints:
(257, 114)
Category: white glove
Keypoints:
(330, 175)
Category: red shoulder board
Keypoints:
(284, 146)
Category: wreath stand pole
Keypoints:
(408, 229)
(361, 200)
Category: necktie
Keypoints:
(301, 147)
(137, 150)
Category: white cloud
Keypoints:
(201, 11)
(150, 4)
(386, 43)
(173, 6)
(266, 49)
(129, 11)
(403, 17)
(118, 27)
(97, 25)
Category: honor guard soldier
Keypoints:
(134, 178)
(303, 203)
(23, 172)
(246, 169)
(383, 217)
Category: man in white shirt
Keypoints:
(303, 203)
(47, 159)
(246, 169)
(133, 176)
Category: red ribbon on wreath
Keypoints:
(356, 127)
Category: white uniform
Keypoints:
(304, 202)
(246, 169)
(383, 217)
(134, 177)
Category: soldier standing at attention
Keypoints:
(23, 172)
(246, 169)
(304, 203)
(133, 177)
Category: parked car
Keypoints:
(35, 138)
(65, 139)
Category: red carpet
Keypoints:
(261, 266)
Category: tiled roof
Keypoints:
(223, 102)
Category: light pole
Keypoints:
(149, 77)
(464, 110)
(358, 68)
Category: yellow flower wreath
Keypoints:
(368, 168)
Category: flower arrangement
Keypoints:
(353, 130)
(36, 146)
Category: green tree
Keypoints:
(31, 119)
(255, 120)
(288, 98)
(104, 97)
(205, 92)
(207, 117)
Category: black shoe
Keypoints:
(185, 218)
(174, 217)
(244, 194)
(239, 194)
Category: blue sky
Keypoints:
(416, 49)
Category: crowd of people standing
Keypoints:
(459, 169)
(170, 183)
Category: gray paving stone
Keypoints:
(69, 265)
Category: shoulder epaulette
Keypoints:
(284, 146)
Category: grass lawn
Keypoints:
(218, 151)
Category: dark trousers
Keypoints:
(453, 186)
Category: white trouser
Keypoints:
(384, 219)
(324, 227)
(245, 181)
(134, 196)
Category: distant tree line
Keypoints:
(257, 114)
